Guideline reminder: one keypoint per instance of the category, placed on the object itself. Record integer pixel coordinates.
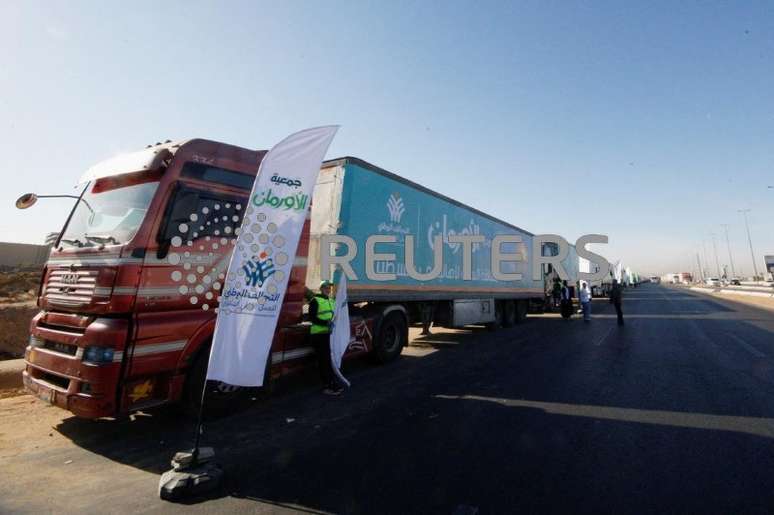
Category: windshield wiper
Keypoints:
(76, 242)
(101, 239)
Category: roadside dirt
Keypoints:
(11, 392)
(14, 328)
(750, 300)
(18, 286)
(17, 307)
(18, 435)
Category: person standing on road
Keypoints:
(321, 310)
(615, 299)
(557, 292)
(585, 300)
(566, 308)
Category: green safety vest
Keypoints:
(324, 312)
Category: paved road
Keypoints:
(672, 413)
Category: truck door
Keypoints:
(181, 281)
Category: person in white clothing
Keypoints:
(585, 299)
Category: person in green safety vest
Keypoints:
(321, 309)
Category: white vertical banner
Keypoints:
(340, 335)
(265, 249)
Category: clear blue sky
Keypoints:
(652, 124)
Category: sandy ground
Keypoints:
(17, 307)
(749, 300)
(14, 328)
(18, 435)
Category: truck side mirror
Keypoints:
(26, 200)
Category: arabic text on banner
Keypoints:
(265, 250)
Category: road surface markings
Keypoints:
(749, 348)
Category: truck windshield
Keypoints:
(108, 216)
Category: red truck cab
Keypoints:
(130, 293)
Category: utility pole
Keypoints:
(701, 273)
(704, 255)
(749, 240)
(715, 249)
(728, 244)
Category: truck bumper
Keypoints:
(81, 405)
(56, 372)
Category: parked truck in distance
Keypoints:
(130, 293)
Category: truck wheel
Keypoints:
(509, 313)
(522, 306)
(498, 321)
(391, 338)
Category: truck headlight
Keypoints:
(98, 355)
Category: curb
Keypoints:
(11, 373)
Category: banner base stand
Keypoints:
(191, 476)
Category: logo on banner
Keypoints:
(258, 269)
(254, 288)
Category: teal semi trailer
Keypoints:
(358, 200)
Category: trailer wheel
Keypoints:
(509, 313)
(391, 337)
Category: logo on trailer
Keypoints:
(357, 341)
(395, 208)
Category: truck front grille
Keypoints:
(71, 287)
